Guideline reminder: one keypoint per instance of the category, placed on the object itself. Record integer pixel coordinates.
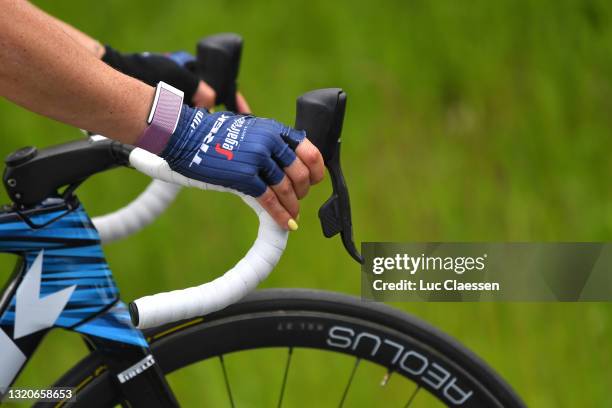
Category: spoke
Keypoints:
(282, 392)
(350, 381)
(227, 384)
(414, 393)
(385, 380)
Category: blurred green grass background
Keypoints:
(478, 121)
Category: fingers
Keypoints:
(270, 202)
(304, 166)
(274, 176)
(289, 174)
(299, 175)
(204, 96)
(241, 104)
(287, 197)
(310, 156)
(281, 199)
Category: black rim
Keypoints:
(399, 352)
(294, 319)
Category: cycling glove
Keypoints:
(242, 152)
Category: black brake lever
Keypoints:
(321, 114)
(217, 64)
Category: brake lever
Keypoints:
(321, 114)
(217, 64)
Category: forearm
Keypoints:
(44, 70)
(91, 44)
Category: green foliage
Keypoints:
(480, 120)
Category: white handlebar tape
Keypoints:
(149, 205)
(138, 214)
(256, 265)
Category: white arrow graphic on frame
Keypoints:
(33, 313)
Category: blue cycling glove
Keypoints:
(176, 69)
(245, 153)
(182, 58)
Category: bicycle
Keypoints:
(62, 280)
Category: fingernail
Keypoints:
(293, 226)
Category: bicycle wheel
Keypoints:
(328, 323)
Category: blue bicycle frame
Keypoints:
(62, 280)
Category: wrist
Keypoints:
(163, 118)
(177, 141)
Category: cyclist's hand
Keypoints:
(259, 157)
(205, 96)
(176, 69)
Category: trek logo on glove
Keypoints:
(230, 142)
(227, 153)
(197, 119)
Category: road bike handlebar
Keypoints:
(320, 113)
(142, 211)
(259, 261)
(31, 176)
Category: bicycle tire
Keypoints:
(262, 313)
